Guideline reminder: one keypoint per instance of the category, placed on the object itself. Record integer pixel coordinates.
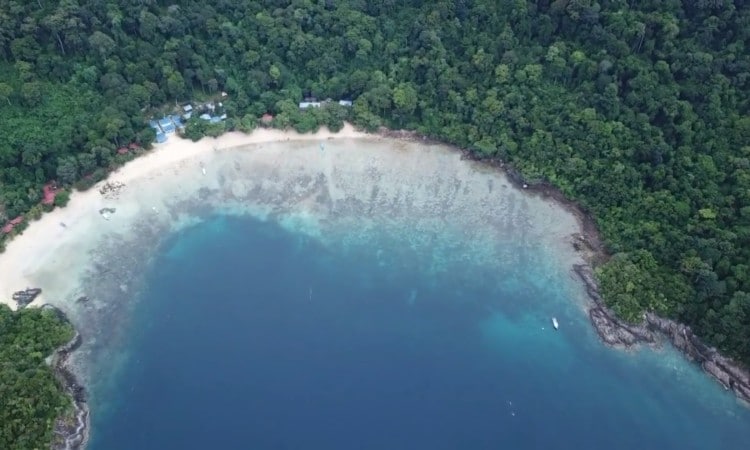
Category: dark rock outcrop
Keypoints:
(654, 329)
(71, 431)
(730, 374)
(26, 296)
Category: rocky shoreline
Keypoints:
(654, 330)
(71, 430)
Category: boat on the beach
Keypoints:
(554, 323)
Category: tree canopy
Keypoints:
(30, 396)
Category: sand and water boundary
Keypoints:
(54, 253)
(59, 238)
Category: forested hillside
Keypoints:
(638, 110)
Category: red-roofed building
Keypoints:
(10, 225)
(134, 146)
(122, 151)
(50, 191)
(266, 119)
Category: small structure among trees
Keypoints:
(50, 190)
(11, 225)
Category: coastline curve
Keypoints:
(73, 431)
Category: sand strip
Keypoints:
(28, 253)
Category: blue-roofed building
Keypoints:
(153, 124)
(161, 137)
(215, 119)
(166, 125)
(205, 116)
(177, 121)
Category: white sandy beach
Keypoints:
(351, 181)
(37, 253)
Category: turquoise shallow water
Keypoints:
(250, 335)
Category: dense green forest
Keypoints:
(30, 397)
(637, 110)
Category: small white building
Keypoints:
(345, 102)
(188, 109)
(305, 105)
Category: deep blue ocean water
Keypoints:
(251, 336)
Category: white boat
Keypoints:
(554, 323)
(204, 171)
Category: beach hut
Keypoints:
(266, 119)
(161, 137)
(205, 116)
(153, 124)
